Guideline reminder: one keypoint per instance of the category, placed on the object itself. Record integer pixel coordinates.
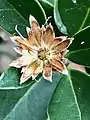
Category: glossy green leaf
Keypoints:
(10, 90)
(11, 78)
(80, 56)
(64, 105)
(27, 7)
(87, 69)
(81, 40)
(16, 12)
(33, 105)
(9, 98)
(48, 7)
(58, 20)
(48, 2)
(72, 15)
(81, 83)
(80, 48)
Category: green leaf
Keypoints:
(48, 2)
(80, 48)
(9, 98)
(58, 20)
(72, 15)
(27, 7)
(81, 40)
(33, 105)
(11, 78)
(64, 105)
(16, 12)
(81, 83)
(87, 70)
(48, 7)
(80, 56)
(10, 90)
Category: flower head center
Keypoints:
(43, 54)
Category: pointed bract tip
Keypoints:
(50, 28)
(18, 50)
(50, 25)
(48, 78)
(32, 19)
(14, 64)
(10, 65)
(28, 30)
(24, 77)
(33, 77)
(63, 37)
(71, 40)
(22, 80)
(65, 72)
(14, 38)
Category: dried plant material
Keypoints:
(41, 52)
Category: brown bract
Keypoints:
(40, 52)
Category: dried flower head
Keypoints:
(40, 52)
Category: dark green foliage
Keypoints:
(67, 97)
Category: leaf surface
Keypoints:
(16, 12)
(11, 90)
(63, 105)
(80, 56)
(72, 15)
(33, 105)
(81, 83)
